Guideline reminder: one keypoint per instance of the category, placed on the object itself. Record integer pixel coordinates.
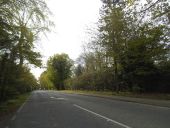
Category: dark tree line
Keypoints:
(21, 21)
(130, 50)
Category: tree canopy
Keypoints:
(130, 51)
(58, 70)
(21, 22)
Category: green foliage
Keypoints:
(130, 52)
(45, 80)
(142, 57)
(16, 80)
(12, 104)
(21, 21)
(78, 70)
(58, 70)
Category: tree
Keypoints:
(45, 82)
(21, 22)
(59, 66)
(30, 17)
(114, 29)
(79, 70)
(144, 54)
(130, 51)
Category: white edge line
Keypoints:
(106, 118)
(23, 104)
(154, 106)
(21, 107)
(13, 118)
(60, 98)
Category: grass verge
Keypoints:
(155, 96)
(10, 106)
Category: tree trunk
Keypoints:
(20, 46)
(116, 75)
(2, 77)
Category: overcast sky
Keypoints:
(72, 18)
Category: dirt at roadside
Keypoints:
(5, 117)
(4, 120)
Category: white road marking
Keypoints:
(21, 107)
(13, 118)
(24, 104)
(60, 98)
(106, 118)
(154, 106)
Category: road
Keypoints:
(50, 109)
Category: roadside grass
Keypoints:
(156, 96)
(10, 106)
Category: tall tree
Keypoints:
(131, 48)
(45, 82)
(21, 22)
(114, 32)
(60, 68)
(28, 18)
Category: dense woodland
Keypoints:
(21, 22)
(129, 51)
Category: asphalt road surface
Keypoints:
(50, 109)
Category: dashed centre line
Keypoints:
(101, 116)
(59, 98)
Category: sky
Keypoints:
(72, 19)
